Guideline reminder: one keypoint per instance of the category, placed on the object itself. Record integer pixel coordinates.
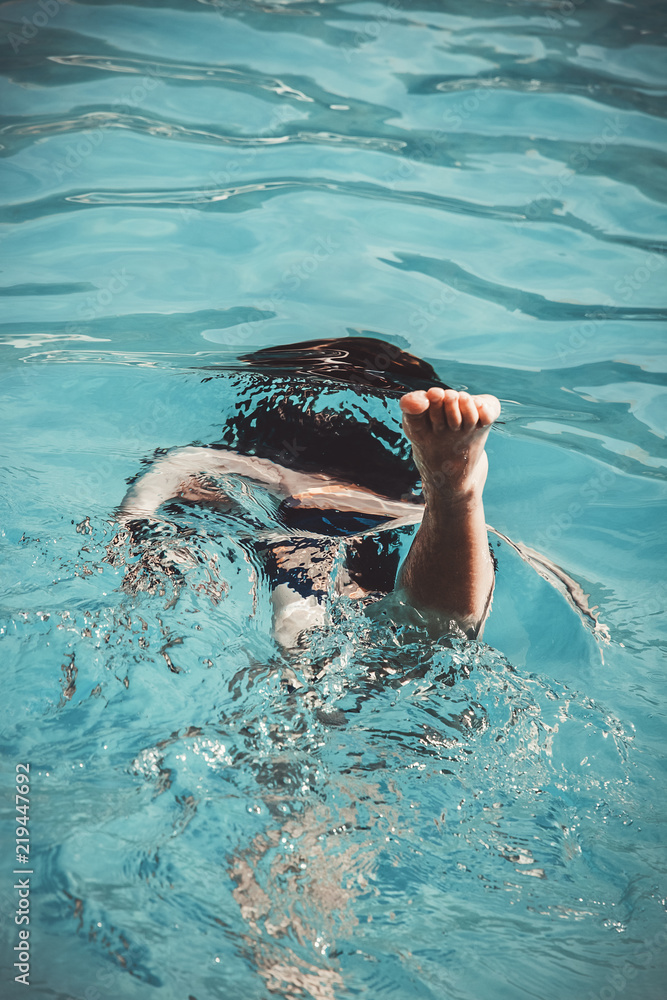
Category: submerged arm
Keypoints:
(182, 472)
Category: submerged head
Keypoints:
(376, 366)
(308, 406)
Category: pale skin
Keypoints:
(449, 569)
(448, 572)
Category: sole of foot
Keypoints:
(448, 432)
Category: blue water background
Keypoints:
(482, 184)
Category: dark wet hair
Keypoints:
(283, 411)
(375, 365)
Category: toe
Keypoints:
(468, 411)
(414, 403)
(488, 408)
(415, 407)
(436, 411)
(452, 411)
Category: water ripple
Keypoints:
(170, 130)
(542, 210)
(595, 87)
(516, 299)
(183, 71)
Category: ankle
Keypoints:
(450, 499)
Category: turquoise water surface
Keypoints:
(482, 184)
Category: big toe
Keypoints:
(414, 404)
(415, 407)
(488, 408)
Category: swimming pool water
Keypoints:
(375, 815)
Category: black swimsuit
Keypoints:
(333, 523)
(306, 564)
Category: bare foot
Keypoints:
(448, 431)
(448, 568)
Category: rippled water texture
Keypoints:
(375, 814)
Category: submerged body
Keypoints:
(447, 575)
(333, 532)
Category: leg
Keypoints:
(449, 569)
(300, 573)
